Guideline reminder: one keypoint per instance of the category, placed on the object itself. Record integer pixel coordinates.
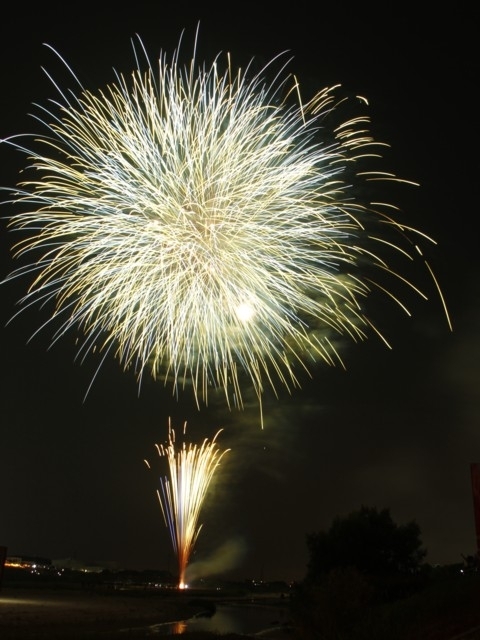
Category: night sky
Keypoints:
(398, 429)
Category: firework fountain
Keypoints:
(183, 490)
(205, 225)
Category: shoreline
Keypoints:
(34, 613)
(49, 613)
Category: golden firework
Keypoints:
(206, 225)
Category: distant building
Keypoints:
(28, 562)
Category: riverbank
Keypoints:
(34, 614)
(76, 614)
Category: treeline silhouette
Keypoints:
(367, 579)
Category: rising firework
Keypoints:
(183, 490)
(206, 226)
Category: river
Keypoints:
(273, 622)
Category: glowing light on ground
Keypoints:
(206, 226)
(183, 491)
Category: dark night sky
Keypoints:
(398, 429)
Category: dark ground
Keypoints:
(43, 613)
(447, 610)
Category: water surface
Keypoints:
(241, 619)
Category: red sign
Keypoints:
(475, 473)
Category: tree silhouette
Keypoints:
(362, 562)
(368, 540)
(386, 555)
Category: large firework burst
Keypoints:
(183, 491)
(204, 225)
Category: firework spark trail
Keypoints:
(182, 492)
(201, 225)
